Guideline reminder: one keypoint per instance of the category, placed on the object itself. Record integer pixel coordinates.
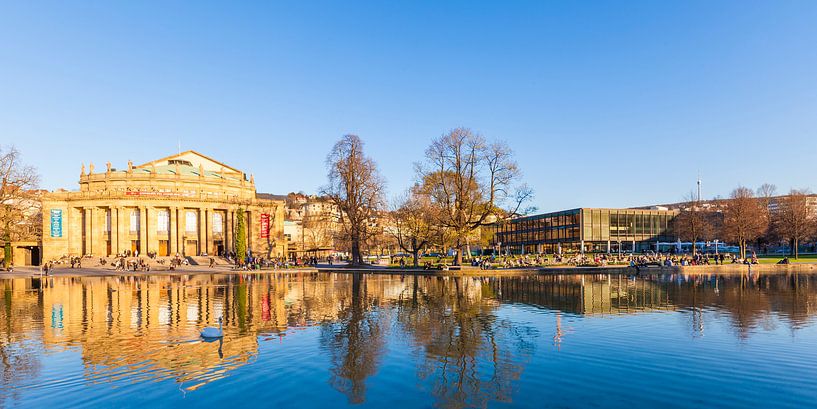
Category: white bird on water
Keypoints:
(212, 332)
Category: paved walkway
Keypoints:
(100, 271)
(97, 271)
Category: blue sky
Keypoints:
(606, 104)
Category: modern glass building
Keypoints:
(586, 230)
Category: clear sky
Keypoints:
(606, 104)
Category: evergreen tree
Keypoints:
(7, 251)
(240, 237)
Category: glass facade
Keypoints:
(589, 230)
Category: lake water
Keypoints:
(319, 340)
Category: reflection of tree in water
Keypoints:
(19, 354)
(750, 300)
(355, 342)
(471, 356)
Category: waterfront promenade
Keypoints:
(105, 271)
(95, 271)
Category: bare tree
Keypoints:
(693, 223)
(744, 218)
(356, 188)
(17, 182)
(317, 232)
(766, 193)
(794, 220)
(469, 180)
(413, 223)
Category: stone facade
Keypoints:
(183, 204)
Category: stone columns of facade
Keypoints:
(152, 216)
(143, 238)
(228, 232)
(208, 231)
(107, 229)
(608, 247)
(123, 233)
(114, 230)
(122, 229)
(174, 231)
(180, 230)
(98, 246)
(96, 232)
(202, 230)
(86, 248)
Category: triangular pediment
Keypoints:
(195, 159)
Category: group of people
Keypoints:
(76, 262)
(135, 264)
(177, 261)
(601, 259)
(705, 259)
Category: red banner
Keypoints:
(264, 226)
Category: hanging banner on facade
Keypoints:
(264, 226)
(56, 222)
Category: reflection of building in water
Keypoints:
(583, 294)
(146, 327)
(749, 299)
(20, 349)
(142, 328)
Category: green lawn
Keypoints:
(772, 259)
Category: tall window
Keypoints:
(190, 220)
(108, 221)
(163, 221)
(218, 222)
(134, 220)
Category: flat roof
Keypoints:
(579, 209)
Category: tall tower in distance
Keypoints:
(699, 188)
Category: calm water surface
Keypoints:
(319, 340)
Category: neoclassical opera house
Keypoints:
(184, 204)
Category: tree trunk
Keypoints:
(416, 254)
(7, 254)
(7, 246)
(694, 248)
(356, 256)
(796, 248)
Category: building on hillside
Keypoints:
(184, 204)
(585, 230)
(312, 225)
(811, 202)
